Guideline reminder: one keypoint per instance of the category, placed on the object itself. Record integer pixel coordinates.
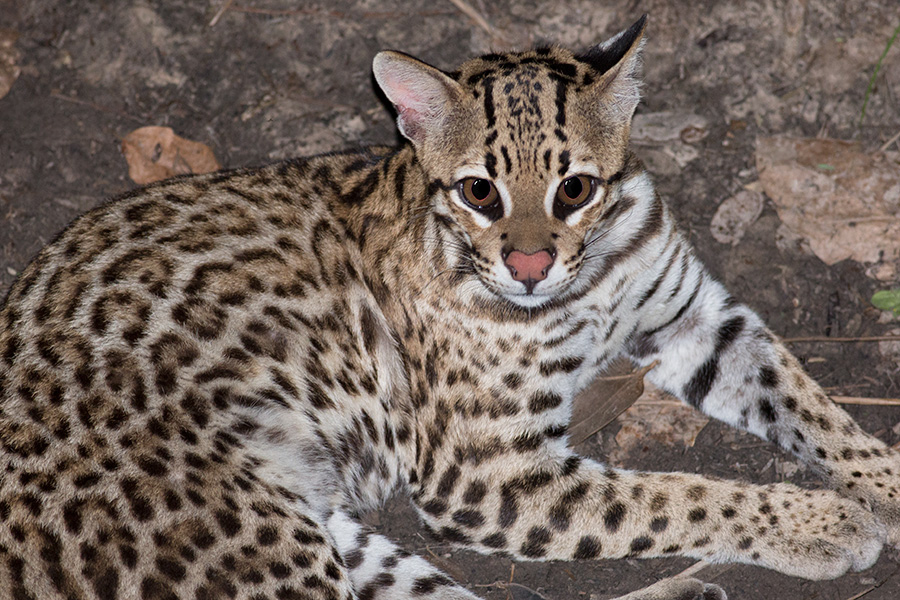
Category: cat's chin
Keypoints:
(527, 300)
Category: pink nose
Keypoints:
(529, 268)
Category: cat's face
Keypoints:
(525, 151)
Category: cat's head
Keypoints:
(522, 151)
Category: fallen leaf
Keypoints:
(668, 126)
(156, 153)
(843, 201)
(735, 215)
(9, 58)
(659, 417)
(605, 399)
(669, 135)
(887, 300)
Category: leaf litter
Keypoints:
(735, 215)
(9, 59)
(644, 412)
(844, 201)
(156, 153)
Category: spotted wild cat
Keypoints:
(205, 380)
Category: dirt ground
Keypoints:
(276, 78)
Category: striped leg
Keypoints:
(717, 356)
(379, 569)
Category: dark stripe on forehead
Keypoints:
(561, 88)
(490, 163)
(563, 162)
(489, 102)
(507, 163)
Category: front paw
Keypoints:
(872, 479)
(818, 535)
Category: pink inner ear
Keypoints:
(410, 122)
(403, 95)
(416, 101)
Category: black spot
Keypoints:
(279, 570)
(435, 507)
(542, 401)
(229, 522)
(267, 535)
(728, 332)
(768, 377)
(588, 547)
(470, 518)
(701, 382)
(171, 568)
(697, 515)
(509, 510)
(537, 538)
(72, 516)
(614, 516)
(767, 411)
(426, 585)
(475, 492)
(448, 481)
(495, 540)
(641, 544)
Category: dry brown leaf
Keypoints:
(9, 58)
(605, 399)
(156, 153)
(735, 215)
(844, 201)
(660, 417)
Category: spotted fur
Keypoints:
(205, 380)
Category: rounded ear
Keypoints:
(423, 96)
(617, 61)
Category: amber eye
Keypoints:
(478, 193)
(575, 190)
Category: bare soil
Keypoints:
(278, 78)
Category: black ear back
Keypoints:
(606, 55)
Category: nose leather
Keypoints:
(529, 268)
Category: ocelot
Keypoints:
(206, 380)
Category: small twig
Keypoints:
(872, 588)
(467, 9)
(863, 593)
(220, 12)
(824, 338)
(878, 64)
(337, 14)
(888, 143)
(98, 107)
(866, 401)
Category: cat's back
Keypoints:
(170, 337)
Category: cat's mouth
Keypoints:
(529, 295)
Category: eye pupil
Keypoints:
(481, 189)
(575, 191)
(479, 193)
(573, 187)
